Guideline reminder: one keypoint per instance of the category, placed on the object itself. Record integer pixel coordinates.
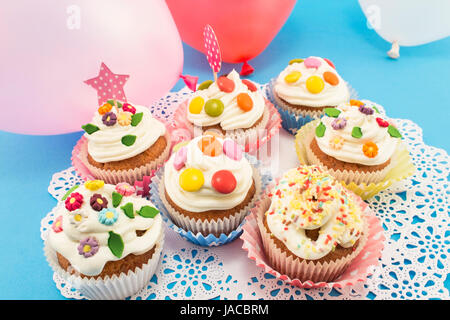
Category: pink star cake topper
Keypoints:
(108, 85)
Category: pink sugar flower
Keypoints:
(125, 189)
(74, 201)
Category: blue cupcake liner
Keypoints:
(199, 239)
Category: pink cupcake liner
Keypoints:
(357, 271)
(184, 129)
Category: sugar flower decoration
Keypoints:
(98, 202)
(94, 184)
(57, 225)
(124, 118)
(336, 142)
(77, 217)
(74, 201)
(370, 149)
(129, 108)
(356, 103)
(109, 119)
(125, 189)
(108, 216)
(104, 108)
(366, 110)
(88, 247)
(339, 123)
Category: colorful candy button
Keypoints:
(329, 63)
(250, 85)
(196, 105)
(312, 62)
(180, 158)
(296, 61)
(210, 146)
(225, 84)
(315, 84)
(293, 76)
(331, 78)
(244, 101)
(214, 107)
(223, 181)
(205, 85)
(232, 150)
(191, 179)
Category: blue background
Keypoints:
(415, 87)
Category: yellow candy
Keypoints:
(94, 184)
(196, 105)
(191, 179)
(293, 76)
(315, 84)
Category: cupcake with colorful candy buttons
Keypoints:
(304, 89)
(123, 143)
(236, 108)
(208, 186)
(311, 226)
(105, 240)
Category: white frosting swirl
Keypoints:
(67, 241)
(207, 198)
(296, 93)
(352, 148)
(105, 145)
(232, 117)
(307, 198)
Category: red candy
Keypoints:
(225, 84)
(223, 181)
(250, 85)
(330, 63)
(382, 123)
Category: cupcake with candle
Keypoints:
(311, 226)
(208, 186)
(105, 240)
(304, 89)
(123, 143)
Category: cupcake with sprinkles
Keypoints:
(311, 226)
(354, 142)
(208, 186)
(122, 143)
(304, 89)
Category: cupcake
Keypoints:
(233, 107)
(123, 143)
(354, 142)
(304, 89)
(311, 227)
(208, 186)
(105, 240)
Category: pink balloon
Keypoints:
(51, 47)
(244, 28)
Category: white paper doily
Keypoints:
(414, 264)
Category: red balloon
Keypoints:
(223, 181)
(244, 28)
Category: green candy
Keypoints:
(296, 61)
(115, 244)
(332, 112)
(90, 128)
(356, 132)
(214, 107)
(148, 212)
(320, 130)
(128, 140)
(393, 131)
(205, 85)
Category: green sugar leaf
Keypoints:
(116, 198)
(136, 118)
(115, 244)
(128, 210)
(69, 192)
(393, 131)
(376, 109)
(320, 130)
(356, 132)
(128, 140)
(148, 212)
(111, 102)
(205, 85)
(90, 128)
(332, 112)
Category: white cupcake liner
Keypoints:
(109, 288)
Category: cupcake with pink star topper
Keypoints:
(123, 142)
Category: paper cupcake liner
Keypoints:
(90, 172)
(292, 118)
(251, 139)
(348, 270)
(366, 185)
(213, 233)
(109, 288)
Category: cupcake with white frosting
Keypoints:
(208, 186)
(311, 226)
(124, 142)
(354, 142)
(304, 89)
(105, 240)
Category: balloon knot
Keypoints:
(246, 69)
(190, 81)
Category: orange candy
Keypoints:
(210, 146)
(370, 149)
(331, 78)
(105, 108)
(356, 103)
(244, 101)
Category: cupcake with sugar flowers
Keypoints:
(304, 89)
(105, 240)
(123, 143)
